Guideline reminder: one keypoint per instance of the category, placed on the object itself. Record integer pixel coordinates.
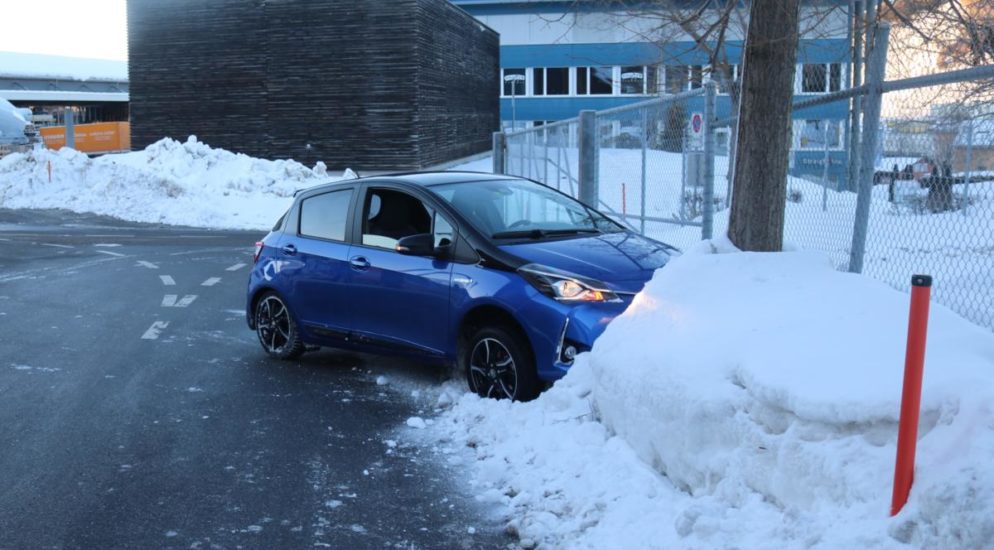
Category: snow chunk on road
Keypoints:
(169, 182)
(747, 400)
(416, 422)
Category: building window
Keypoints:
(676, 79)
(633, 80)
(550, 81)
(817, 78)
(594, 80)
(680, 78)
(513, 82)
(696, 76)
(821, 134)
(724, 81)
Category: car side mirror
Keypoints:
(422, 244)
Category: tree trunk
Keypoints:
(764, 136)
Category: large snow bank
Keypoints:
(169, 182)
(747, 400)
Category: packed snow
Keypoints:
(744, 400)
(169, 182)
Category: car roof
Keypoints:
(423, 179)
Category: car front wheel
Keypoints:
(499, 365)
(277, 332)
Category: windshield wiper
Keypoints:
(540, 233)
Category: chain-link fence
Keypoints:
(650, 163)
(906, 187)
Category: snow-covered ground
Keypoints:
(169, 182)
(744, 401)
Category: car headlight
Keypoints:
(565, 286)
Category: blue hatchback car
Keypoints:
(503, 276)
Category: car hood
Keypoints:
(624, 261)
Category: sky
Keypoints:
(74, 28)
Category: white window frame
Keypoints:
(570, 79)
(645, 80)
(615, 81)
(527, 86)
(799, 78)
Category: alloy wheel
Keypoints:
(492, 369)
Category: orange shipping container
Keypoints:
(99, 137)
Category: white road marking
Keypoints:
(149, 265)
(236, 267)
(107, 245)
(109, 253)
(167, 280)
(155, 330)
(3, 239)
(57, 245)
(170, 300)
(211, 282)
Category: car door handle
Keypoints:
(359, 263)
(290, 250)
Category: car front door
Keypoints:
(314, 256)
(398, 301)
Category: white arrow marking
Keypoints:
(150, 265)
(57, 245)
(155, 330)
(167, 280)
(109, 253)
(169, 300)
(186, 300)
(211, 282)
(235, 267)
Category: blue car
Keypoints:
(503, 276)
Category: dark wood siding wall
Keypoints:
(366, 84)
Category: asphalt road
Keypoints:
(138, 411)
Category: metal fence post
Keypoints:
(588, 162)
(70, 129)
(707, 219)
(969, 165)
(875, 69)
(500, 151)
(645, 146)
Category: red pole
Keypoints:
(624, 202)
(911, 397)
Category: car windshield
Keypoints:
(520, 209)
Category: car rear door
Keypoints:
(316, 250)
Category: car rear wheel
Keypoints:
(277, 332)
(499, 365)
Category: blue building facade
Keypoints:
(559, 57)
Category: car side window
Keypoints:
(324, 216)
(389, 216)
(443, 231)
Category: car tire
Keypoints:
(499, 364)
(276, 329)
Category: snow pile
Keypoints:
(169, 182)
(747, 400)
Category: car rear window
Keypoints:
(324, 216)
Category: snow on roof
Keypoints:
(30, 65)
